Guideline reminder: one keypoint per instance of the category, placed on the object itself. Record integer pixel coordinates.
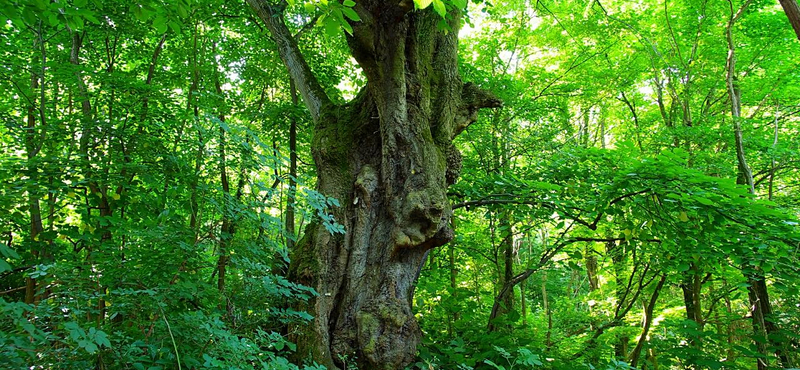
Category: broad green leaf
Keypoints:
(422, 4)
(350, 13)
(4, 266)
(440, 8)
(331, 27)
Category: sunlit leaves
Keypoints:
(422, 4)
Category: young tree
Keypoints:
(388, 157)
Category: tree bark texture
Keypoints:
(792, 11)
(388, 157)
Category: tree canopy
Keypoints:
(414, 184)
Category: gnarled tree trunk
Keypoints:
(388, 158)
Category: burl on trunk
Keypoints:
(388, 157)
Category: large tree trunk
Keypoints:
(388, 158)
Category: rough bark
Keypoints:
(792, 11)
(388, 157)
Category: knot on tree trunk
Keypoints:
(386, 331)
(454, 163)
(473, 98)
(423, 220)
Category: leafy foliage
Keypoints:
(599, 220)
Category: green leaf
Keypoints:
(331, 27)
(160, 23)
(175, 26)
(91, 18)
(4, 266)
(440, 8)
(422, 4)
(350, 13)
(496, 366)
(182, 11)
(346, 26)
(8, 252)
(101, 338)
(704, 201)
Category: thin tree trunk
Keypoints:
(227, 229)
(507, 248)
(602, 129)
(88, 173)
(453, 317)
(546, 305)
(731, 353)
(591, 268)
(523, 308)
(618, 256)
(691, 288)
(745, 174)
(198, 160)
(772, 160)
(32, 147)
(290, 199)
(758, 294)
(648, 321)
(632, 107)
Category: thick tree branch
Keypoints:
(473, 99)
(792, 11)
(313, 95)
